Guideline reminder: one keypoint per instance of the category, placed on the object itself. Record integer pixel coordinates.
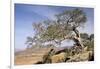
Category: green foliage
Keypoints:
(89, 42)
(58, 29)
(29, 41)
(84, 36)
(64, 25)
(75, 17)
(55, 30)
(91, 36)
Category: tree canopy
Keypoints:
(63, 27)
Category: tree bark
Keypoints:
(77, 38)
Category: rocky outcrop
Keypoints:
(51, 55)
(85, 56)
(58, 58)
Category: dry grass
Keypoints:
(27, 58)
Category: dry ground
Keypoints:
(32, 56)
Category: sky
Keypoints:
(27, 14)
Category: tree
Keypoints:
(91, 36)
(88, 41)
(91, 42)
(64, 27)
(67, 23)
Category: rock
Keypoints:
(58, 58)
(85, 56)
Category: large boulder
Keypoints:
(58, 58)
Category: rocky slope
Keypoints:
(50, 55)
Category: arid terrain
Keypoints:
(50, 55)
(65, 35)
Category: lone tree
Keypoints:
(64, 27)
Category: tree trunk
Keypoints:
(77, 38)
